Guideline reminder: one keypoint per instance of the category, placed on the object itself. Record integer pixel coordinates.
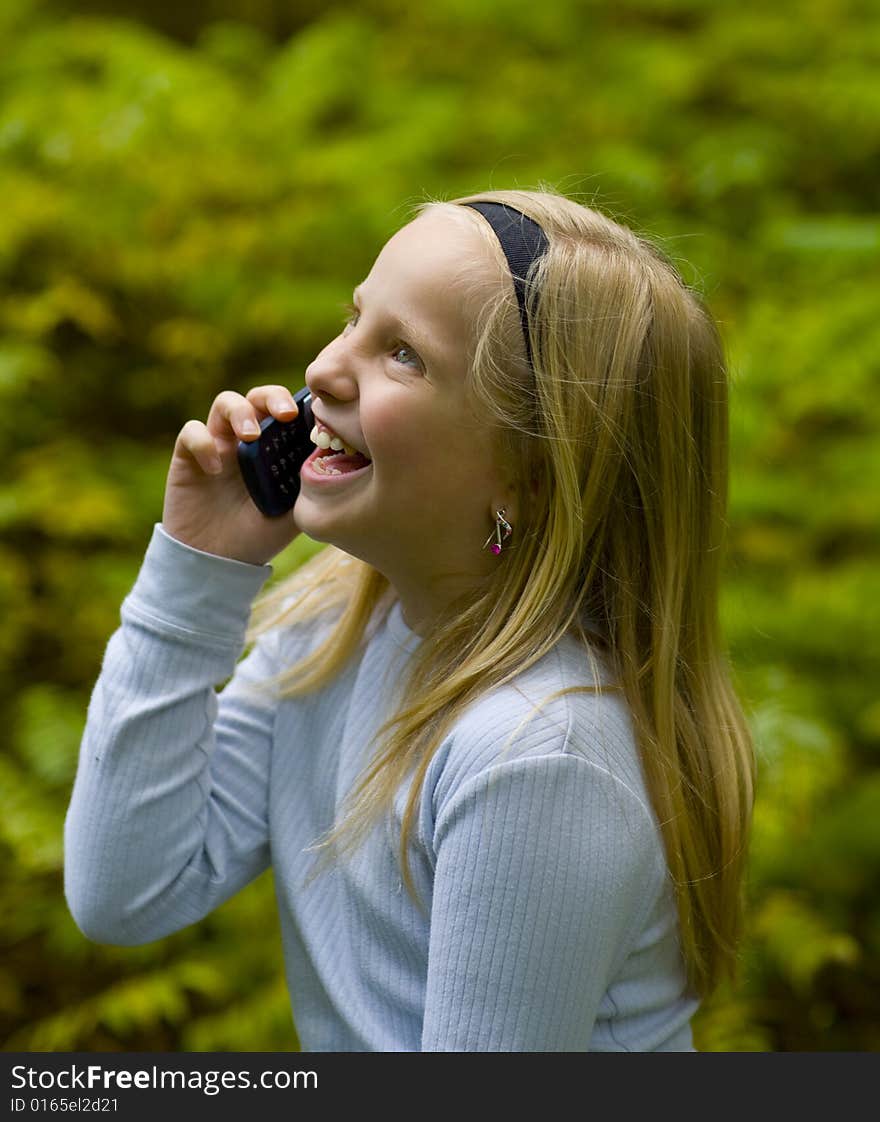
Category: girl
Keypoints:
(504, 781)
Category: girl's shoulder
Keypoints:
(296, 632)
(566, 704)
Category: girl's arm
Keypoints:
(168, 815)
(546, 866)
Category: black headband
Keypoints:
(523, 242)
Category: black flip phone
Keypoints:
(270, 464)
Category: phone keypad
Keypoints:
(278, 456)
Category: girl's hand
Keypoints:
(207, 505)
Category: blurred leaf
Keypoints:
(29, 825)
(798, 940)
(842, 235)
(50, 728)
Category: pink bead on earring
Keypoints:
(503, 530)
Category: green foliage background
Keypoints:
(188, 194)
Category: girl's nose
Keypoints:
(331, 374)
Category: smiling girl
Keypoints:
(487, 738)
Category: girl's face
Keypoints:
(392, 385)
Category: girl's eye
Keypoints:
(403, 348)
(351, 317)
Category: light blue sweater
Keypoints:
(549, 924)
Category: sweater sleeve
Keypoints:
(544, 866)
(168, 814)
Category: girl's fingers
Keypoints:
(277, 400)
(231, 411)
(243, 414)
(195, 439)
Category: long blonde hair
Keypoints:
(619, 436)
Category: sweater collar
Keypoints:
(403, 635)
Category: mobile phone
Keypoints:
(270, 464)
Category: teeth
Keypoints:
(323, 439)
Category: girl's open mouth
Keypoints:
(327, 466)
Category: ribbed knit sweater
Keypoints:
(548, 921)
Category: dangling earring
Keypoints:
(503, 530)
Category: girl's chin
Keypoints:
(323, 520)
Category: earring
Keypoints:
(503, 530)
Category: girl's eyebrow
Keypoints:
(410, 329)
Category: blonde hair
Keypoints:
(623, 424)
